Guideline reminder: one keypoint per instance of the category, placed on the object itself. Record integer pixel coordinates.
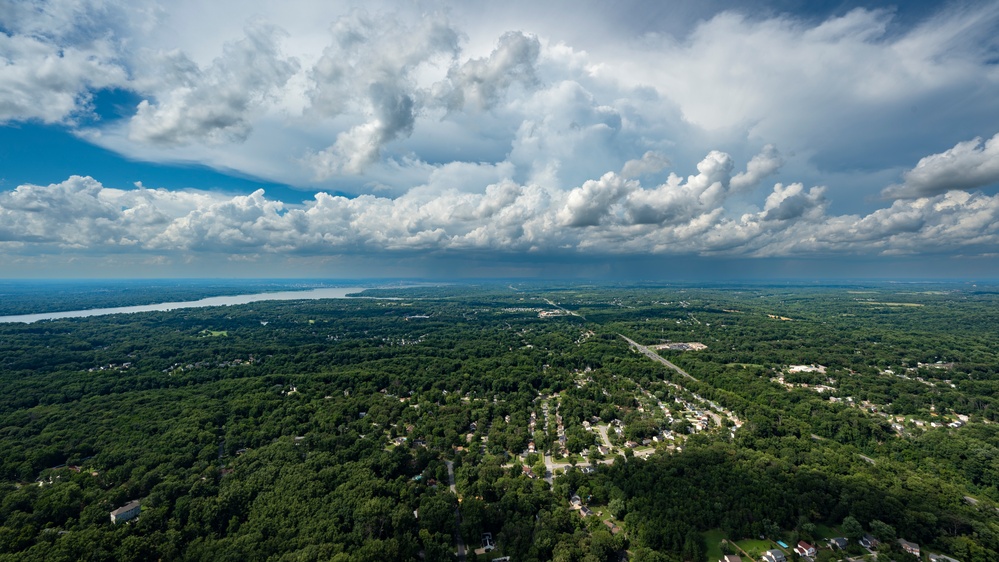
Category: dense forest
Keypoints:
(357, 429)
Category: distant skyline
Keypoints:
(644, 140)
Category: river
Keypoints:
(324, 293)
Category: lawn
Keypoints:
(825, 532)
(755, 548)
(713, 539)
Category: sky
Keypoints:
(645, 140)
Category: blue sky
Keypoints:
(637, 139)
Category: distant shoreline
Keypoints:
(307, 294)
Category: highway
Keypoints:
(656, 357)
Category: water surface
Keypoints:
(324, 293)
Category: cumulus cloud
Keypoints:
(42, 80)
(608, 215)
(792, 202)
(359, 147)
(370, 100)
(586, 205)
(969, 165)
(823, 85)
(955, 221)
(565, 124)
(214, 104)
(370, 65)
(481, 82)
(82, 213)
(455, 134)
(677, 199)
(650, 163)
(763, 165)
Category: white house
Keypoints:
(126, 512)
(804, 549)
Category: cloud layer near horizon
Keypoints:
(611, 215)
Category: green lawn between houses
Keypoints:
(755, 548)
(713, 539)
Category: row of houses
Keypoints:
(809, 551)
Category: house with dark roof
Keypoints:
(869, 542)
(774, 555)
(838, 543)
(910, 547)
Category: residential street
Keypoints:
(458, 541)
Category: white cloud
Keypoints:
(763, 165)
(587, 205)
(371, 65)
(216, 104)
(853, 90)
(611, 215)
(82, 213)
(968, 165)
(41, 80)
(792, 202)
(650, 163)
(465, 134)
(481, 82)
(677, 200)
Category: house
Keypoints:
(487, 542)
(774, 556)
(804, 549)
(869, 542)
(126, 512)
(910, 547)
(838, 542)
(731, 558)
(585, 511)
(941, 558)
